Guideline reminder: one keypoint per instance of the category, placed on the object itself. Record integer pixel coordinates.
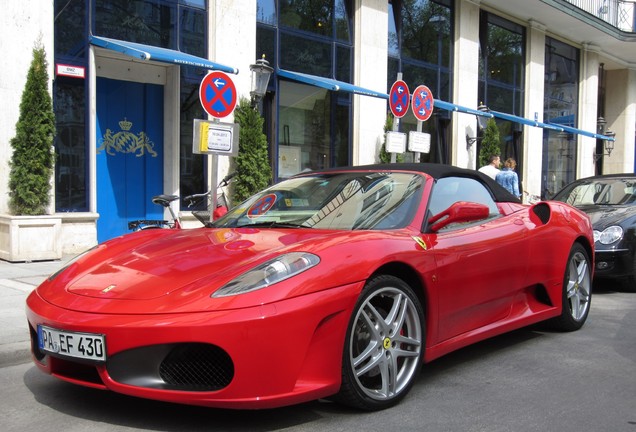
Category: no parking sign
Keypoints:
(217, 93)
(423, 103)
(399, 98)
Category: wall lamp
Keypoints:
(609, 146)
(261, 72)
(482, 122)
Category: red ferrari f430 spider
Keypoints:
(331, 284)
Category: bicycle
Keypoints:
(164, 201)
(202, 215)
(222, 202)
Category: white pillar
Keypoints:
(620, 113)
(534, 102)
(588, 109)
(370, 71)
(232, 42)
(465, 81)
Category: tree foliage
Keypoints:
(490, 143)
(252, 167)
(32, 159)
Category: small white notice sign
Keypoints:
(419, 142)
(395, 142)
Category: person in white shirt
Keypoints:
(492, 169)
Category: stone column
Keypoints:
(465, 81)
(588, 110)
(620, 113)
(370, 71)
(534, 101)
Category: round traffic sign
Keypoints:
(217, 94)
(399, 98)
(423, 103)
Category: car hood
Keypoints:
(604, 216)
(177, 270)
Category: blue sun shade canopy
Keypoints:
(329, 84)
(153, 53)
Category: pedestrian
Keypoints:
(492, 169)
(508, 178)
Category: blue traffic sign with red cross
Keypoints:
(399, 98)
(423, 103)
(217, 93)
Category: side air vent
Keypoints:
(542, 211)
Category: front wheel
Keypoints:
(384, 345)
(577, 291)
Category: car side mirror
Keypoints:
(459, 212)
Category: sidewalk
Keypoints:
(17, 280)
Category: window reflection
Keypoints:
(308, 140)
(192, 178)
(420, 46)
(307, 15)
(501, 79)
(70, 145)
(144, 21)
(313, 124)
(560, 106)
(266, 11)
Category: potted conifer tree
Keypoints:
(252, 167)
(29, 233)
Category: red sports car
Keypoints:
(332, 284)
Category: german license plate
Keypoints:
(86, 346)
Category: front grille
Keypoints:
(197, 367)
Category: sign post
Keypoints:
(399, 98)
(422, 107)
(218, 97)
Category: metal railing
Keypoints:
(618, 13)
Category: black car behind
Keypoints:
(610, 201)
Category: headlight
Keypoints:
(609, 235)
(269, 273)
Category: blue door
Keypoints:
(129, 154)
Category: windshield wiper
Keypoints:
(273, 224)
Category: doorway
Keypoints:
(129, 154)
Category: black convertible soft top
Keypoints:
(438, 171)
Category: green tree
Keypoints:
(253, 171)
(32, 159)
(490, 143)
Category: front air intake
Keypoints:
(197, 367)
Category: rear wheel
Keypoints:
(577, 291)
(384, 345)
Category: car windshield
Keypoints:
(344, 201)
(609, 191)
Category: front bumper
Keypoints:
(613, 264)
(260, 357)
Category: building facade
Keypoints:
(555, 75)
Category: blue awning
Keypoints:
(513, 118)
(334, 85)
(329, 84)
(164, 55)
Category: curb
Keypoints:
(15, 353)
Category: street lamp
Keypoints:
(600, 124)
(261, 72)
(482, 122)
(609, 146)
